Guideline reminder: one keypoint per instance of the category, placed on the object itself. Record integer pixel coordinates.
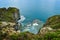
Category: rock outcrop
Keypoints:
(53, 22)
(52, 25)
(9, 16)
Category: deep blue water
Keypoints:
(40, 9)
(34, 9)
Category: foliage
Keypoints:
(52, 35)
(8, 14)
(53, 22)
(8, 33)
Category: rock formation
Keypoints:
(9, 16)
(52, 25)
(53, 22)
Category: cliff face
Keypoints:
(9, 16)
(53, 22)
(51, 29)
(52, 25)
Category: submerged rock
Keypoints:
(33, 27)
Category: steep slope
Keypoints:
(53, 22)
(9, 14)
(9, 17)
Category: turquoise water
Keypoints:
(34, 9)
(32, 27)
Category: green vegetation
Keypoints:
(8, 14)
(30, 36)
(53, 22)
(52, 36)
(7, 32)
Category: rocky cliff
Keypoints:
(51, 29)
(11, 14)
(53, 22)
(9, 17)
